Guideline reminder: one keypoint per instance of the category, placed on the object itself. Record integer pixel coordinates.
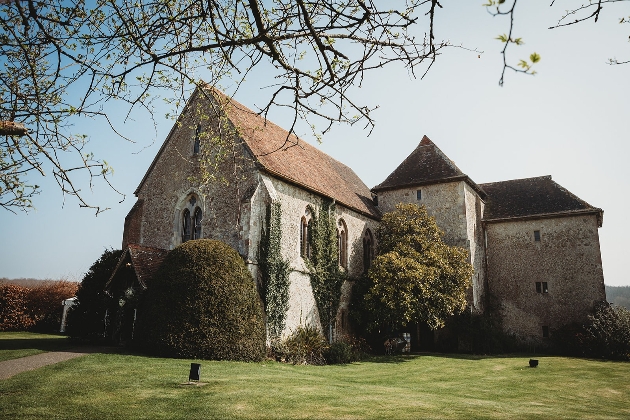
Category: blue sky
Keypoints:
(570, 121)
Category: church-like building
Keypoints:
(534, 245)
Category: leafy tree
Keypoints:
(66, 59)
(86, 319)
(416, 277)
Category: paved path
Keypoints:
(12, 367)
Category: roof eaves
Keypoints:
(292, 181)
(567, 213)
(465, 178)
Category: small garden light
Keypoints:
(195, 372)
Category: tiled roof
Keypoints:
(425, 165)
(530, 197)
(144, 260)
(294, 160)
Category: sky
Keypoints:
(570, 121)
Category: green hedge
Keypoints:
(202, 304)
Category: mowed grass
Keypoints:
(21, 344)
(126, 386)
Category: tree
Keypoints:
(416, 277)
(571, 16)
(65, 60)
(87, 318)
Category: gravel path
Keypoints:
(10, 368)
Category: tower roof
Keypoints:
(427, 164)
(532, 198)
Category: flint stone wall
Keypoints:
(567, 257)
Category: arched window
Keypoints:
(186, 225)
(197, 223)
(342, 243)
(368, 250)
(192, 217)
(305, 235)
(197, 144)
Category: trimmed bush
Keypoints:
(202, 304)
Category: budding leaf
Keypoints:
(534, 57)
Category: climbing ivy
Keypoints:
(326, 275)
(274, 272)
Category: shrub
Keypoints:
(45, 304)
(14, 315)
(607, 333)
(306, 346)
(339, 353)
(87, 317)
(202, 303)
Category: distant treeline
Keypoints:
(30, 283)
(618, 295)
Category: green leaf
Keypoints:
(502, 38)
(535, 58)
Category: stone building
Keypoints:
(534, 246)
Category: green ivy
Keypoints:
(326, 275)
(274, 272)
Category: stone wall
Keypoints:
(294, 203)
(567, 258)
(476, 247)
(446, 202)
(177, 173)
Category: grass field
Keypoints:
(21, 344)
(126, 386)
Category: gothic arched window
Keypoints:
(192, 217)
(197, 223)
(186, 225)
(305, 235)
(342, 243)
(368, 250)
(197, 144)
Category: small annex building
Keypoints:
(534, 246)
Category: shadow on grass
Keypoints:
(54, 343)
(403, 358)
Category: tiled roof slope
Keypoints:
(425, 165)
(530, 197)
(144, 260)
(296, 161)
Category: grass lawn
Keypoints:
(124, 386)
(21, 344)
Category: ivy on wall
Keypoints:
(326, 275)
(274, 272)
